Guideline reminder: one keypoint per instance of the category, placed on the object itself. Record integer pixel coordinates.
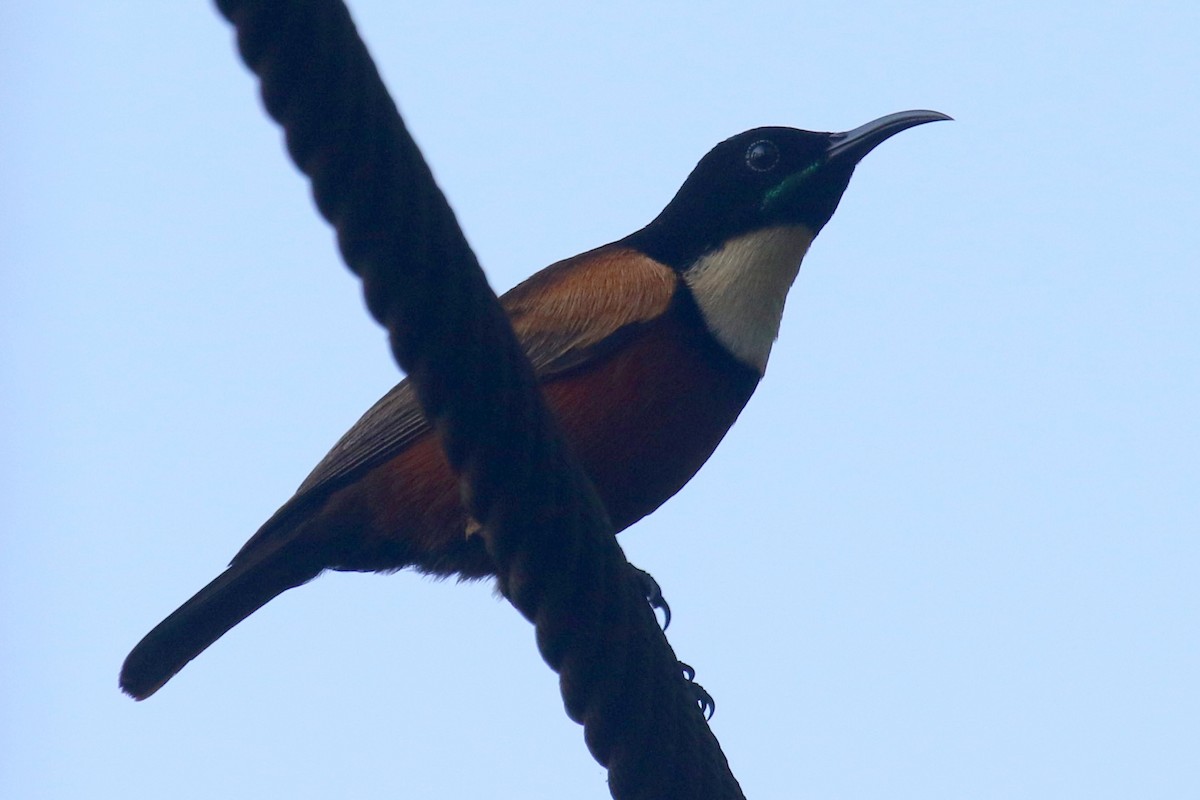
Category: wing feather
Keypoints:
(564, 316)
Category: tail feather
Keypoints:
(235, 594)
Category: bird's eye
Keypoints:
(762, 156)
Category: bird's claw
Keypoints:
(653, 593)
(708, 706)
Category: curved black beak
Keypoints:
(851, 146)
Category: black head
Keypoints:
(761, 178)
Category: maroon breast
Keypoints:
(645, 418)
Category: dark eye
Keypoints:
(762, 156)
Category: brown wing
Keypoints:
(571, 311)
(564, 316)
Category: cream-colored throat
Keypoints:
(742, 287)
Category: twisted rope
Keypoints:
(556, 557)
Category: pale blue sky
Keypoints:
(951, 549)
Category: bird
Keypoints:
(646, 351)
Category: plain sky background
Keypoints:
(950, 550)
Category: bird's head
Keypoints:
(763, 178)
(741, 223)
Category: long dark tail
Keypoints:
(235, 594)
